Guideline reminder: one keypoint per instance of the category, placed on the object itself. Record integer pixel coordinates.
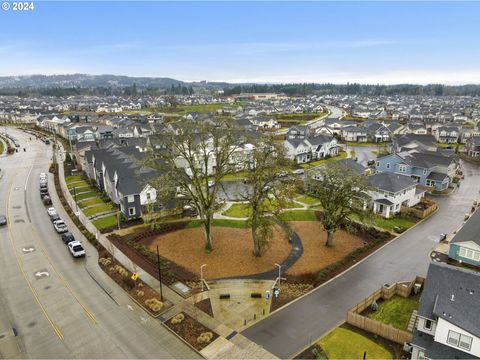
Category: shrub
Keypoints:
(177, 319)
(140, 293)
(105, 261)
(205, 337)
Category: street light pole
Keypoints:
(159, 274)
(75, 198)
(279, 273)
(201, 274)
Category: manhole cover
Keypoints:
(19, 221)
(48, 287)
(32, 324)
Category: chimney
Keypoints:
(452, 298)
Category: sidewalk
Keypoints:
(228, 345)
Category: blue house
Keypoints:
(465, 246)
(430, 169)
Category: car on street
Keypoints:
(51, 211)
(298, 171)
(443, 237)
(60, 226)
(3, 220)
(47, 200)
(371, 162)
(67, 237)
(76, 249)
(211, 183)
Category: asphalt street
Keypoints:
(56, 306)
(293, 328)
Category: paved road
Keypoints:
(290, 330)
(58, 309)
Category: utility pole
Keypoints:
(159, 274)
(75, 198)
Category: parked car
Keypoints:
(371, 162)
(43, 193)
(60, 226)
(76, 249)
(442, 237)
(46, 200)
(54, 217)
(298, 171)
(51, 211)
(67, 237)
(43, 175)
(3, 220)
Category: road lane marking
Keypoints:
(22, 270)
(28, 250)
(63, 281)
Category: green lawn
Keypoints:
(86, 195)
(70, 179)
(395, 311)
(79, 189)
(89, 202)
(206, 108)
(1, 147)
(236, 176)
(341, 155)
(105, 222)
(380, 222)
(77, 184)
(306, 199)
(98, 209)
(243, 211)
(346, 344)
(354, 143)
(221, 223)
(298, 215)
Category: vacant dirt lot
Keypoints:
(232, 253)
(316, 255)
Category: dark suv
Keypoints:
(68, 237)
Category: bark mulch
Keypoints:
(206, 306)
(316, 255)
(189, 330)
(232, 253)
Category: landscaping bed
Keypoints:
(191, 330)
(139, 291)
(206, 306)
(232, 253)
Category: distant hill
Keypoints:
(85, 81)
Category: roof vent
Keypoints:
(471, 292)
(452, 298)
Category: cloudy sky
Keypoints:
(339, 42)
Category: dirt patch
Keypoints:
(316, 255)
(190, 330)
(232, 254)
(206, 306)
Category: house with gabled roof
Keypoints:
(465, 245)
(448, 318)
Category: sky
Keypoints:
(275, 42)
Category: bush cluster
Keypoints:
(205, 337)
(177, 319)
(154, 304)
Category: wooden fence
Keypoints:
(354, 317)
(421, 214)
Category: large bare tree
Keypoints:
(269, 190)
(340, 191)
(194, 158)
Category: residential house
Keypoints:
(447, 134)
(472, 147)
(311, 148)
(465, 245)
(390, 191)
(448, 318)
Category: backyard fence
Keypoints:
(431, 206)
(354, 317)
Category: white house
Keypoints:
(448, 318)
(390, 191)
(311, 148)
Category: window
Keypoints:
(459, 340)
(131, 211)
(469, 254)
(378, 163)
(402, 168)
(388, 166)
(130, 198)
(424, 171)
(149, 196)
(427, 325)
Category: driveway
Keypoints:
(293, 328)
